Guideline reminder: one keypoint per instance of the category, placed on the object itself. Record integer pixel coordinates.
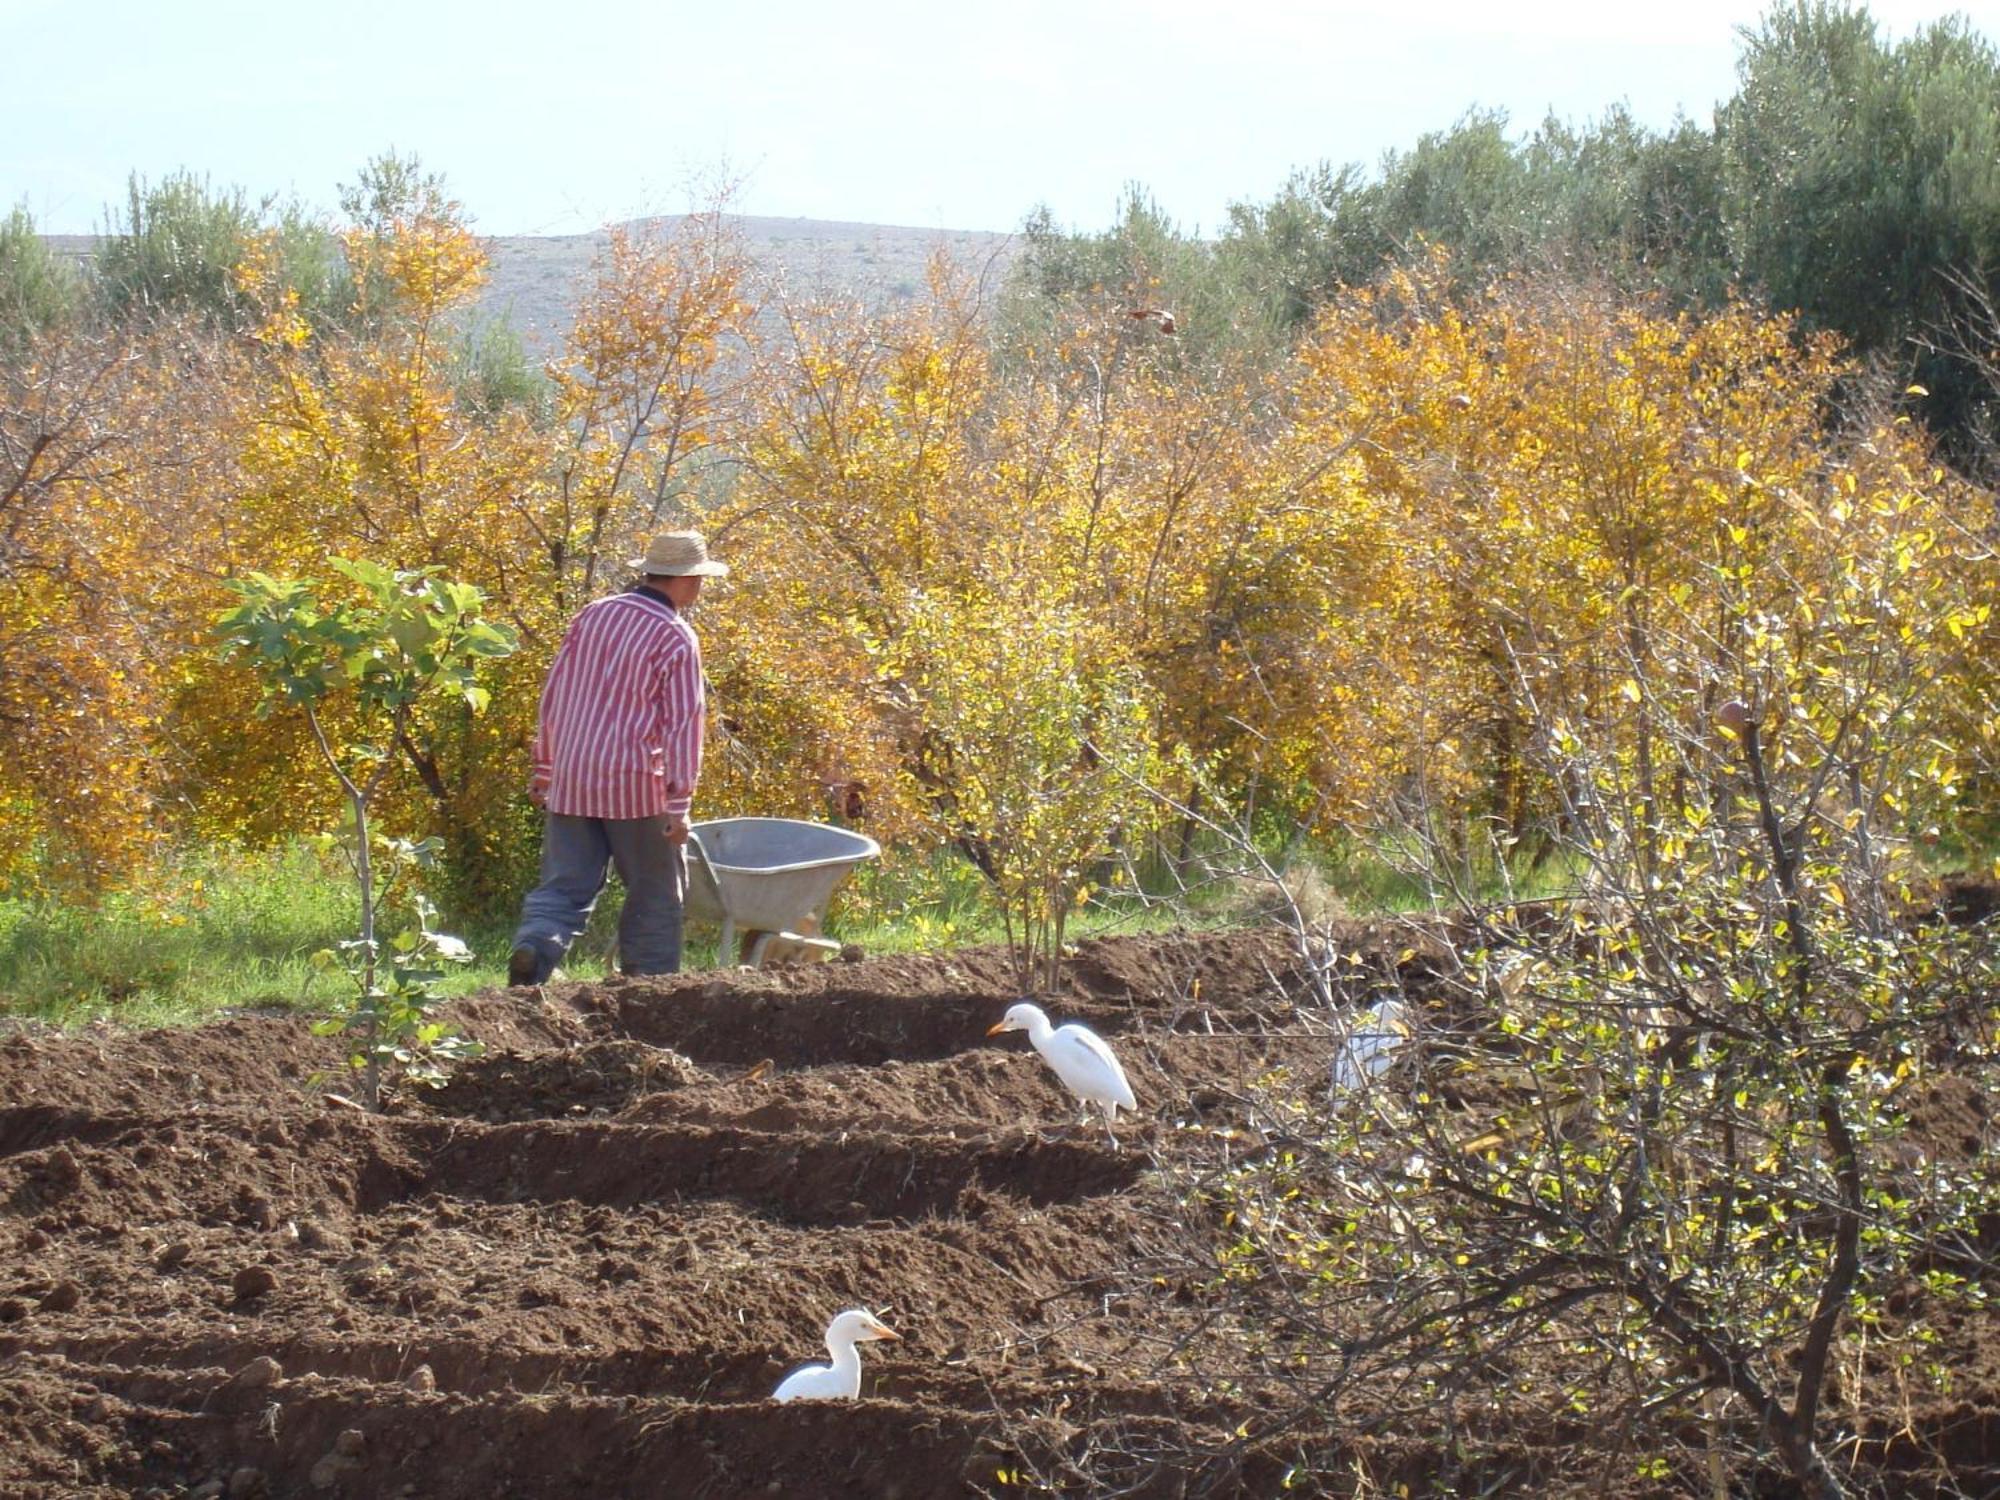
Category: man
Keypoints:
(617, 755)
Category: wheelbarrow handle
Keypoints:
(694, 843)
(721, 897)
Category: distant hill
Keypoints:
(534, 278)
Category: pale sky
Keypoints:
(554, 118)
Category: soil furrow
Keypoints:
(315, 1437)
(849, 1178)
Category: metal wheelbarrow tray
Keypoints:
(770, 876)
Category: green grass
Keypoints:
(1379, 877)
(220, 930)
(922, 904)
(212, 930)
(906, 904)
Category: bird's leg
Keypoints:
(1110, 1119)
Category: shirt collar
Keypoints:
(647, 596)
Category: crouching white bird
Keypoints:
(841, 1380)
(1081, 1060)
(1368, 1043)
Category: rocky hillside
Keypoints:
(534, 277)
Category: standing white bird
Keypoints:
(1080, 1059)
(841, 1380)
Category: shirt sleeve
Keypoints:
(544, 773)
(683, 716)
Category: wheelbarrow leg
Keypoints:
(725, 949)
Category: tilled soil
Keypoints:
(580, 1267)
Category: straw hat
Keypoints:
(679, 554)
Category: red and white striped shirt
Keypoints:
(622, 712)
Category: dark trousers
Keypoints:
(577, 855)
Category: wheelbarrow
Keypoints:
(769, 879)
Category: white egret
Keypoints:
(1368, 1043)
(1080, 1059)
(841, 1380)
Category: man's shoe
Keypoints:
(522, 965)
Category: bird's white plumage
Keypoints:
(821, 1383)
(840, 1380)
(1084, 1062)
(1369, 1043)
(1080, 1058)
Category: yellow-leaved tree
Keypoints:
(114, 465)
(1032, 749)
(1531, 475)
(860, 489)
(357, 444)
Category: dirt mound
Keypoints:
(593, 1078)
(581, 1266)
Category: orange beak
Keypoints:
(996, 1028)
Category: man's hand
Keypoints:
(677, 828)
